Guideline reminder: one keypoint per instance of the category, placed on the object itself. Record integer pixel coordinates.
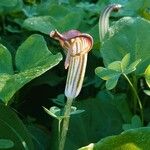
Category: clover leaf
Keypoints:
(115, 69)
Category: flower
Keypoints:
(104, 19)
(77, 46)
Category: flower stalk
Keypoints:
(65, 126)
(77, 45)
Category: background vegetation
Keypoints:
(32, 72)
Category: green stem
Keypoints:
(65, 123)
(134, 96)
(138, 99)
(59, 124)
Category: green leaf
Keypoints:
(40, 23)
(10, 6)
(135, 123)
(60, 100)
(111, 83)
(125, 62)
(46, 24)
(132, 67)
(6, 144)
(40, 137)
(8, 3)
(33, 53)
(105, 73)
(135, 139)
(54, 112)
(147, 75)
(32, 59)
(74, 111)
(128, 35)
(111, 76)
(51, 8)
(5, 61)
(147, 92)
(113, 71)
(70, 21)
(116, 65)
(119, 101)
(12, 128)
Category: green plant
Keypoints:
(32, 75)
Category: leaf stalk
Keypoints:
(137, 97)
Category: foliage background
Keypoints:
(106, 112)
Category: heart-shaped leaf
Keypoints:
(32, 59)
(46, 24)
(134, 139)
(5, 61)
(40, 23)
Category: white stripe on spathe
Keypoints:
(77, 67)
(104, 19)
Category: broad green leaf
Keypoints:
(51, 8)
(33, 53)
(119, 101)
(40, 23)
(5, 61)
(128, 35)
(134, 139)
(12, 128)
(70, 21)
(40, 137)
(46, 24)
(8, 3)
(32, 59)
(147, 75)
(6, 144)
(10, 6)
